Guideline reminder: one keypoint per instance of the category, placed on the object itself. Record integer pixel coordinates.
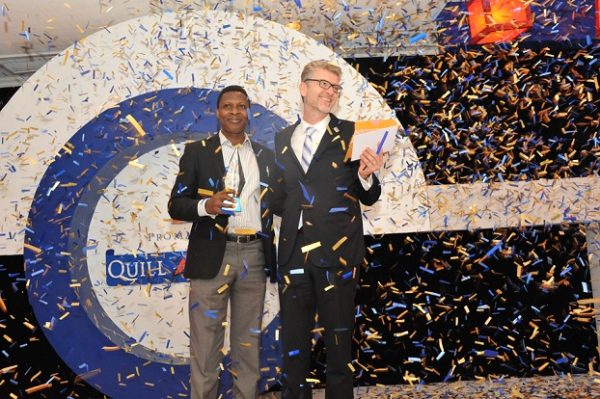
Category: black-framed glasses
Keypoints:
(325, 84)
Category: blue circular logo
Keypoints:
(102, 258)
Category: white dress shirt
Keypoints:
(249, 217)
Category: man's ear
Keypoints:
(303, 88)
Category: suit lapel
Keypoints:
(213, 145)
(325, 141)
(287, 144)
(263, 167)
(216, 165)
(263, 171)
(330, 133)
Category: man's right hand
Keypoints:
(220, 199)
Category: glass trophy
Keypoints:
(234, 180)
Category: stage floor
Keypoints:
(581, 386)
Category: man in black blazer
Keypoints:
(229, 250)
(321, 245)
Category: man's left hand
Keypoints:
(369, 162)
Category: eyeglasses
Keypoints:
(325, 85)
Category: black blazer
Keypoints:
(328, 194)
(201, 171)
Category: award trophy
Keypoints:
(234, 180)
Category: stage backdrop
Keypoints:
(91, 145)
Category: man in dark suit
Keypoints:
(321, 245)
(229, 250)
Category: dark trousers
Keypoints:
(304, 290)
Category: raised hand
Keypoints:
(219, 200)
(369, 162)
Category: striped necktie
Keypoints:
(307, 149)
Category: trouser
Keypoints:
(304, 290)
(241, 281)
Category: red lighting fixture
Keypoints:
(494, 21)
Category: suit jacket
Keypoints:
(201, 171)
(328, 195)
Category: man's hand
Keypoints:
(221, 199)
(369, 162)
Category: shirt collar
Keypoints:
(225, 141)
(320, 126)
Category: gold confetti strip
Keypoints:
(37, 388)
(135, 164)
(136, 125)
(205, 192)
(33, 248)
(223, 288)
(339, 243)
(9, 369)
(310, 247)
(263, 192)
(175, 150)
(29, 325)
(588, 301)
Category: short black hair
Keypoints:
(229, 89)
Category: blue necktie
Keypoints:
(307, 149)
